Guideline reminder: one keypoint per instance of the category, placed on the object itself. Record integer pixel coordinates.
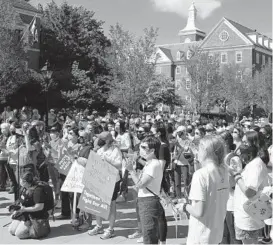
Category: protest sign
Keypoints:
(64, 165)
(73, 180)
(91, 203)
(100, 177)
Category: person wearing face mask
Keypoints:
(110, 153)
(13, 143)
(148, 185)
(3, 155)
(52, 150)
(32, 218)
(140, 163)
(71, 149)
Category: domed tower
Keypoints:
(191, 33)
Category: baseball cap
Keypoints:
(181, 129)
(53, 130)
(140, 130)
(105, 136)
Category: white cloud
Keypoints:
(181, 7)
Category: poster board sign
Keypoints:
(64, 164)
(91, 203)
(73, 180)
(100, 177)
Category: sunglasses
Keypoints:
(144, 147)
(235, 132)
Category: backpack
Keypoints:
(48, 191)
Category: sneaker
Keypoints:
(11, 191)
(58, 204)
(135, 235)
(107, 234)
(96, 230)
(140, 240)
(266, 241)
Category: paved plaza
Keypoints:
(62, 231)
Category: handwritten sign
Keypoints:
(73, 180)
(100, 177)
(64, 165)
(91, 203)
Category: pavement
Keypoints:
(62, 231)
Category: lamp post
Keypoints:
(47, 79)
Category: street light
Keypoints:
(47, 79)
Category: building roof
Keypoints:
(22, 4)
(246, 31)
(170, 50)
(167, 52)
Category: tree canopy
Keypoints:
(132, 62)
(13, 71)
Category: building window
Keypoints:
(224, 36)
(239, 76)
(188, 84)
(263, 59)
(186, 71)
(189, 54)
(210, 58)
(158, 70)
(178, 84)
(224, 59)
(188, 99)
(257, 58)
(178, 55)
(178, 70)
(209, 78)
(239, 57)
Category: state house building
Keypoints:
(231, 41)
(25, 16)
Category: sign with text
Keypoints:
(100, 177)
(64, 165)
(73, 180)
(91, 203)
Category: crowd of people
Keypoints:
(209, 170)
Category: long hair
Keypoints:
(33, 135)
(160, 128)
(214, 148)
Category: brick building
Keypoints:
(26, 14)
(229, 40)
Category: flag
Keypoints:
(33, 30)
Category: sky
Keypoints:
(170, 16)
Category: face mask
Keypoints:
(53, 136)
(70, 137)
(145, 153)
(140, 136)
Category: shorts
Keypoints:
(116, 191)
(246, 235)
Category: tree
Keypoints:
(13, 72)
(260, 88)
(84, 91)
(71, 35)
(132, 62)
(162, 90)
(204, 79)
(234, 88)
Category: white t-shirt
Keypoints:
(124, 141)
(153, 168)
(211, 187)
(112, 153)
(255, 177)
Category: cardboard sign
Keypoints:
(73, 180)
(91, 203)
(100, 177)
(64, 165)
